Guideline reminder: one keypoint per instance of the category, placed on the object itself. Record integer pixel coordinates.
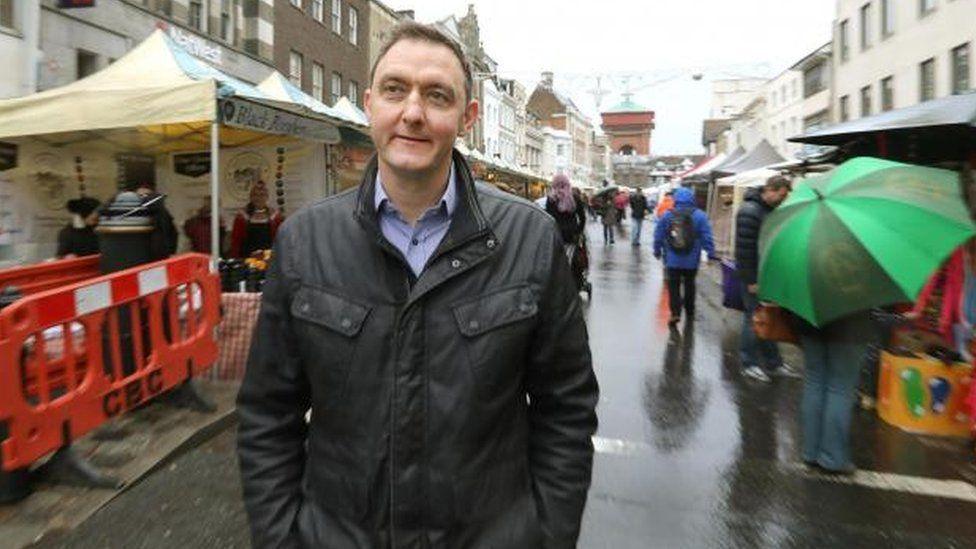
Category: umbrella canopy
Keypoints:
(607, 190)
(867, 234)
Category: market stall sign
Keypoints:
(68, 4)
(192, 164)
(253, 116)
(8, 156)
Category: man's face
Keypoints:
(417, 107)
(775, 197)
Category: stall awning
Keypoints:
(762, 155)
(957, 111)
(351, 112)
(158, 88)
(705, 167)
(276, 85)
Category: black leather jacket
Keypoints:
(453, 411)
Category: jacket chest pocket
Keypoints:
(328, 328)
(497, 330)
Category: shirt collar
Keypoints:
(448, 201)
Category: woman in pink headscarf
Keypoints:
(568, 210)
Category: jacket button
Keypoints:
(474, 325)
(456, 263)
(305, 307)
(346, 323)
(491, 244)
(525, 307)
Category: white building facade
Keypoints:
(890, 54)
(784, 111)
(19, 47)
(557, 149)
(491, 118)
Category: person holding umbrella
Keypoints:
(867, 234)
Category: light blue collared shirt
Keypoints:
(417, 243)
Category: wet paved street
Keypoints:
(689, 453)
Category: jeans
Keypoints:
(832, 360)
(752, 350)
(635, 230)
(608, 234)
(679, 279)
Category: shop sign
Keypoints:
(253, 116)
(192, 164)
(8, 156)
(196, 46)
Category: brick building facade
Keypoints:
(322, 46)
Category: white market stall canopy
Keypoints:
(705, 167)
(277, 86)
(162, 99)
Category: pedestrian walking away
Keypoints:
(432, 327)
(608, 217)
(758, 358)
(679, 238)
(638, 211)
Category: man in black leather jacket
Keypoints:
(452, 404)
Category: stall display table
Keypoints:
(922, 395)
(240, 316)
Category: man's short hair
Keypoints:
(411, 30)
(777, 182)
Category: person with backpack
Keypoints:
(680, 236)
(758, 358)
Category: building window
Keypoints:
(561, 150)
(295, 62)
(960, 69)
(318, 10)
(814, 80)
(845, 108)
(195, 15)
(866, 101)
(336, 87)
(337, 16)
(86, 64)
(318, 81)
(865, 26)
(887, 18)
(888, 93)
(354, 91)
(843, 37)
(165, 6)
(353, 26)
(925, 7)
(927, 80)
(7, 13)
(226, 21)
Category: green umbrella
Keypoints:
(869, 233)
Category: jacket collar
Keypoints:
(468, 220)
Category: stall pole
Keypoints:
(215, 192)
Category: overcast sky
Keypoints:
(660, 43)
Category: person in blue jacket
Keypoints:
(680, 236)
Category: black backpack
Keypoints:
(681, 233)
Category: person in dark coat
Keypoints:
(638, 211)
(78, 238)
(431, 327)
(682, 266)
(164, 238)
(757, 357)
(568, 211)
